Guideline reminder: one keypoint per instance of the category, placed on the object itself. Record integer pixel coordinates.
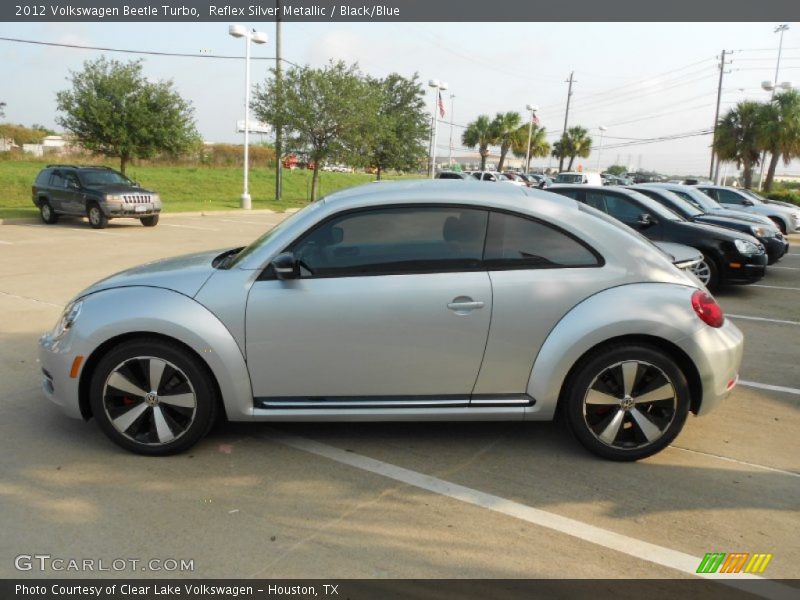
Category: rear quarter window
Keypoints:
(43, 177)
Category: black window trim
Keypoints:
(267, 274)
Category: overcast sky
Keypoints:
(640, 80)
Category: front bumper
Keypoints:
(776, 247)
(717, 354)
(56, 358)
(746, 269)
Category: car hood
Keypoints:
(741, 216)
(682, 256)
(120, 189)
(182, 274)
(718, 232)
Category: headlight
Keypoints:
(746, 248)
(68, 318)
(759, 232)
(114, 198)
(155, 198)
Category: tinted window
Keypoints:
(394, 240)
(43, 177)
(103, 177)
(57, 180)
(449, 175)
(515, 241)
(569, 193)
(622, 208)
(729, 197)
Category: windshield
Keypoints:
(656, 208)
(699, 199)
(620, 225)
(753, 196)
(259, 242)
(682, 205)
(97, 177)
(569, 178)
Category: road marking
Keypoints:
(6, 243)
(774, 287)
(666, 557)
(786, 268)
(260, 223)
(738, 462)
(772, 388)
(189, 227)
(29, 299)
(746, 318)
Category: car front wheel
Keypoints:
(627, 402)
(153, 397)
(96, 217)
(707, 272)
(149, 221)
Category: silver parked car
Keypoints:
(787, 219)
(424, 300)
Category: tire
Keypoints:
(97, 219)
(47, 213)
(149, 221)
(154, 420)
(779, 224)
(602, 408)
(707, 271)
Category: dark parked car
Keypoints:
(769, 236)
(452, 175)
(729, 256)
(99, 193)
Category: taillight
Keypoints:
(707, 309)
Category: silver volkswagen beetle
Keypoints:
(419, 300)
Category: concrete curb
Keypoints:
(202, 213)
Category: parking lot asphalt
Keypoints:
(467, 500)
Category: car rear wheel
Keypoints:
(49, 216)
(707, 272)
(153, 397)
(149, 221)
(96, 217)
(627, 402)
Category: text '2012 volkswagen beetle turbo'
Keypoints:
(402, 301)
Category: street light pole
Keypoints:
(438, 86)
(532, 108)
(258, 37)
(603, 129)
(779, 29)
(279, 88)
(452, 118)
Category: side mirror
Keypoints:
(747, 203)
(285, 266)
(645, 220)
(73, 185)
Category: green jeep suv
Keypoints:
(99, 193)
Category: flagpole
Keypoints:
(438, 87)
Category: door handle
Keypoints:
(464, 304)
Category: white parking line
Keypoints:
(785, 268)
(738, 462)
(768, 386)
(774, 287)
(189, 227)
(6, 243)
(747, 318)
(260, 223)
(29, 299)
(666, 557)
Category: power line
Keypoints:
(143, 52)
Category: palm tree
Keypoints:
(738, 137)
(539, 145)
(504, 125)
(780, 131)
(481, 134)
(579, 144)
(561, 151)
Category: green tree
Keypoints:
(114, 110)
(617, 170)
(578, 144)
(739, 136)
(780, 131)
(480, 134)
(2, 110)
(328, 111)
(396, 140)
(24, 135)
(561, 151)
(504, 126)
(539, 145)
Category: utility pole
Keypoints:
(566, 118)
(279, 88)
(722, 71)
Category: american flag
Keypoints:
(536, 120)
(441, 106)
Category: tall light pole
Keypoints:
(532, 108)
(279, 88)
(259, 37)
(452, 118)
(602, 129)
(438, 86)
(766, 85)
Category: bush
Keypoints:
(230, 155)
(792, 196)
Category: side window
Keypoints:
(44, 177)
(729, 197)
(517, 242)
(710, 192)
(70, 177)
(596, 200)
(574, 194)
(57, 180)
(394, 241)
(622, 208)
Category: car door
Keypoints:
(73, 199)
(627, 210)
(391, 309)
(730, 199)
(538, 272)
(57, 192)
